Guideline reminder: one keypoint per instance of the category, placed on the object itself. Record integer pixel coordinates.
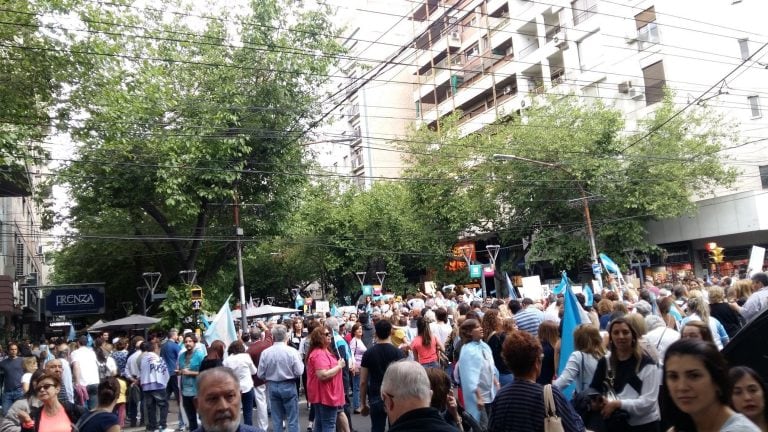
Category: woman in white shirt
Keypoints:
(582, 362)
(240, 362)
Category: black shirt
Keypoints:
(376, 360)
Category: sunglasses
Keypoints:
(44, 387)
(327, 334)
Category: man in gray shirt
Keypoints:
(280, 366)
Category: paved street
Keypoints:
(360, 423)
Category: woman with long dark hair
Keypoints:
(549, 336)
(749, 395)
(102, 419)
(242, 365)
(632, 375)
(215, 356)
(493, 330)
(424, 346)
(697, 390)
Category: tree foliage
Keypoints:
(32, 70)
(574, 149)
(180, 115)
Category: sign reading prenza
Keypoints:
(85, 300)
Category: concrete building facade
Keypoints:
(488, 58)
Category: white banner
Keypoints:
(756, 260)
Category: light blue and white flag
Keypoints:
(573, 316)
(510, 287)
(222, 326)
(609, 265)
(72, 334)
(588, 296)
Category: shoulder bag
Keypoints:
(552, 422)
(619, 418)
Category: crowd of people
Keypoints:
(647, 360)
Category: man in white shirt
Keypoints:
(759, 298)
(134, 397)
(85, 370)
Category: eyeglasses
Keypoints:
(327, 334)
(44, 387)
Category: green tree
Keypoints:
(654, 171)
(32, 71)
(179, 117)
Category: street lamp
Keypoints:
(493, 252)
(584, 198)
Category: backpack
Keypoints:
(103, 371)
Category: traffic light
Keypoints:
(196, 293)
(716, 253)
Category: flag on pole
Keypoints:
(204, 321)
(335, 311)
(561, 287)
(510, 287)
(72, 334)
(589, 296)
(90, 340)
(573, 316)
(222, 326)
(609, 265)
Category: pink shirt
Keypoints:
(329, 392)
(426, 354)
(57, 423)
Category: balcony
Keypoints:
(353, 111)
(357, 160)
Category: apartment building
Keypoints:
(488, 58)
(371, 92)
(22, 263)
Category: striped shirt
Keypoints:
(529, 320)
(519, 406)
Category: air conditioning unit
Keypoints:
(559, 39)
(630, 37)
(625, 86)
(636, 93)
(454, 38)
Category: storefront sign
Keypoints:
(475, 271)
(86, 300)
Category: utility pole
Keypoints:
(238, 245)
(582, 194)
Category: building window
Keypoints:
(744, 48)
(647, 29)
(754, 106)
(764, 176)
(583, 10)
(653, 77)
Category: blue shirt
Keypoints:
(189, 382)
(169, 352)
